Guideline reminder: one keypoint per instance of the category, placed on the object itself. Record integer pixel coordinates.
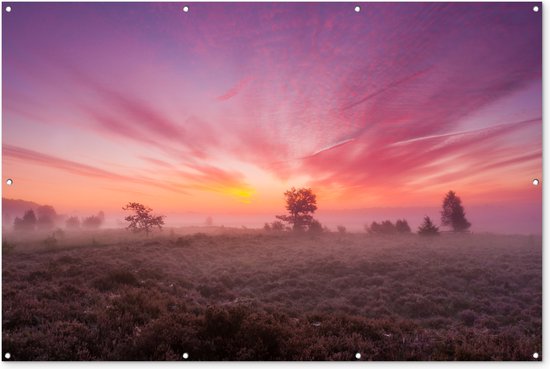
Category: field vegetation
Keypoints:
(270, 295)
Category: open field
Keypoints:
(254, 295)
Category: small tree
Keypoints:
(27, 223)
(386, 227)
(341, 229)
(453, 213)
(267, 227)
(92, 222)
(316, 227)
(72, 223)
(428, 228)
(277, 226)
(401, 226)
(142, 219)
(300, 203)
(373, 229)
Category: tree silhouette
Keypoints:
(402, 226)
(453, 213)
(93, 221)
(386, 227)
(300, 203)
(72, 223)
(142, 219)
(428, 228)
(46, 217)
(28, 223)
(277, 226)
(315, 227)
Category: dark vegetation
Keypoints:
(300, 204)
(387, 227)
(93, 221)
(46, 218)
(264, 295)
(453, 213)
(427, 228)
(142, 218)
(309, 294)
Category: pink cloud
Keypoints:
(75, 168)
(354, 101)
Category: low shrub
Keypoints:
(114, 279)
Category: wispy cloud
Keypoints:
(13, 152)
(300, 92)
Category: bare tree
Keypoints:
(300, 203)
(142, 219)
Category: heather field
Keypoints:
(228, 294)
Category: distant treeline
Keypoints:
(301, 204)
(46, 218)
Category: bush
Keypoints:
(386, 227)
(315, 227)
(92, 222)
(46, 217)
(402, 226)
(341, 229)
(27, 223)
(72, 223)
(277, 226)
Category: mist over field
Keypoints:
(75, 289)
(234, 294)
(492, 218)
(272, 181)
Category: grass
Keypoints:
(251, 295)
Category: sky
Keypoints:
(220, 109)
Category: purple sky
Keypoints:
(223, 108)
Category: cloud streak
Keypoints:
(394, 101)
(75, 168)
